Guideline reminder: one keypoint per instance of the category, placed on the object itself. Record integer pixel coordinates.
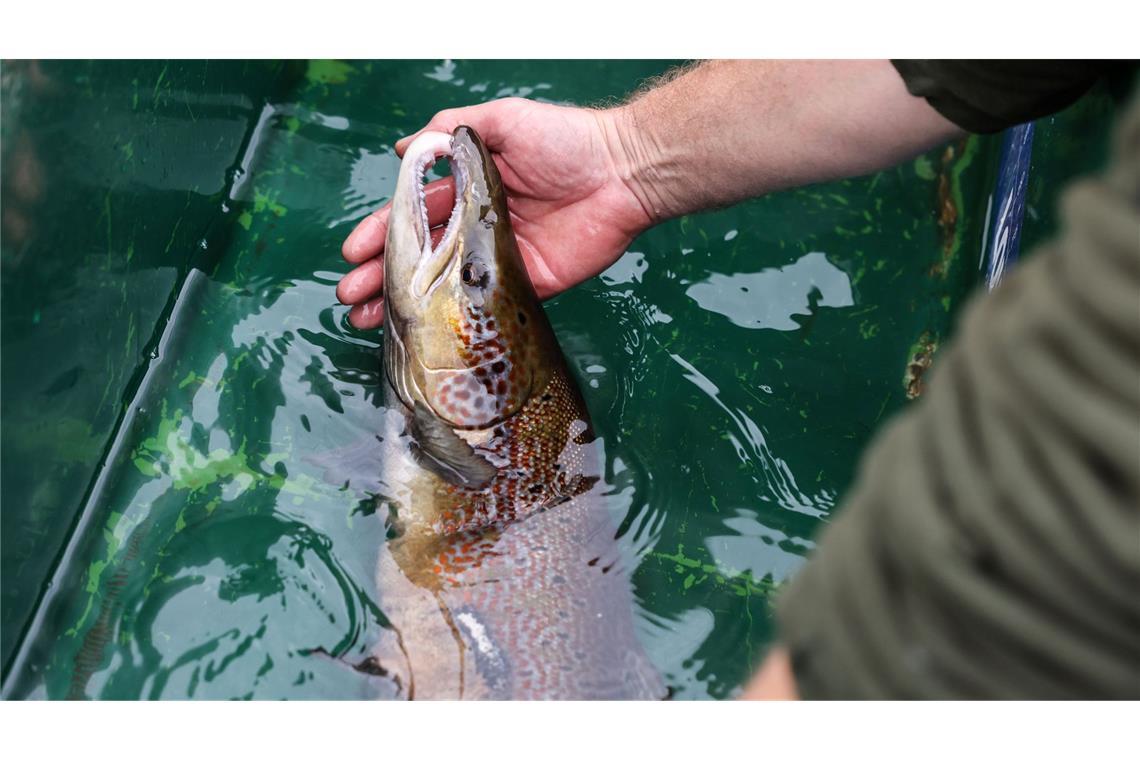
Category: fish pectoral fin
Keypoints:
(439, 448)
(369, 666)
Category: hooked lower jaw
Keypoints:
(424, 151)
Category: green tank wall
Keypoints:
(118, 179)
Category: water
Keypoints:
(177, 372)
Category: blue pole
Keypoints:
(1004, 237)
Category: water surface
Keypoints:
(177, 373)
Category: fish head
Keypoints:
(465, 333)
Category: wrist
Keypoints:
(638, 161)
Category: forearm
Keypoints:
(729, 130)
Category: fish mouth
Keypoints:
(434, 261)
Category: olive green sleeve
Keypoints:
(989, 96)
(990, 547)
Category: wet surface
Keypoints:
(177, 373)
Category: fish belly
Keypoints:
(541, 609)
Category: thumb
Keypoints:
(491, 120)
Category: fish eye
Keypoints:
(474, 274)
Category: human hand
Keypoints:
(566, 177)
(775, 679)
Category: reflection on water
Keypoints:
(233, 550)
(752, 450)
(770, 298)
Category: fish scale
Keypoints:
(543, 463)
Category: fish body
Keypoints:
(502, 578)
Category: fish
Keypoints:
(501, 577)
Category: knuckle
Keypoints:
(446, 117)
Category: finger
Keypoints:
(439, 197)
(491, 120)
(546, 283)
(367, 239)
(367, 316)
(361, 283)
(367, 280)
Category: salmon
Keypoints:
(502, 577)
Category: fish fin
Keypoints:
(355, 468)
(390, 684)
(438, 448)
